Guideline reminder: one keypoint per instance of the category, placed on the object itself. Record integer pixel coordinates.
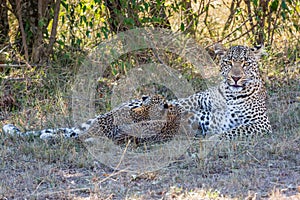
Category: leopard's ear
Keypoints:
(220, 50)
(258, 51)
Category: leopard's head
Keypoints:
(239, 65)
(154, 106)
(175, 112)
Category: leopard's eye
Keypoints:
(227, 62)
(246, 64)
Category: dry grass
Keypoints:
(263, 168)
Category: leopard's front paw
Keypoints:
(215, 137)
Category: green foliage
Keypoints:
(82, 25)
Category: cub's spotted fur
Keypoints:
(154, 130)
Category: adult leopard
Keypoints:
(233, 109)
(236, 107)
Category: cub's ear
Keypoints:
(220, 50)
(144, 97)
(258, 51)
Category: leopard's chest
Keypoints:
(230, 115)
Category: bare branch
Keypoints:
(54, 26)
(242, 35)
(228, 35)
(249, 15)
(230, 17)
(275, 24)
(18, 3)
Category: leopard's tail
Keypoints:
(46, 134)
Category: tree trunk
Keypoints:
(4, 29)
(34, 17)
(4, 26)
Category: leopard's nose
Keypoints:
(236, 78)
